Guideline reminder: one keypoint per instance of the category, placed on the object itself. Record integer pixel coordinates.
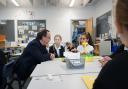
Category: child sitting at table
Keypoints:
(70, 47)
(84, 47)
(57, 48)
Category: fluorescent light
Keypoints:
(71, 3)
(14, 1)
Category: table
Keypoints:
(59, 82)
(57, 67)
(62, 77)
(49, 67)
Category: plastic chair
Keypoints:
(8, 73)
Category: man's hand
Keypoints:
(104, 60)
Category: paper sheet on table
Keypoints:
(89, 81)
(71, 55)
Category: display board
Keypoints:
(104, 25)
(28, 29)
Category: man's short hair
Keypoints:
(42, 33)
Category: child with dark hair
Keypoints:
(70, 47)
(84, 47)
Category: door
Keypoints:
(89, 26)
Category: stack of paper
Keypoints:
(71, 55)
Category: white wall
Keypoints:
(102, 7)
(58, 21)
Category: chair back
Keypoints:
(9, 69)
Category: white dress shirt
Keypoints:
(58, 50)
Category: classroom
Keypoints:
(63, 44)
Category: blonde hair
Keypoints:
(58, 36)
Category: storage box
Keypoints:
(75, 63)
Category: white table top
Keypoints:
(58, 82)
(59, 68)
(49, 67)
(62, 77)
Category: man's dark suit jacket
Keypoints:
(114, 75)
(53, 50)
(34, 54)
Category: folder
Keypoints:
(89, 81)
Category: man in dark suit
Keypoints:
(34, 54)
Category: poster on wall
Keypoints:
(21, 31)
(34, 27)
(28, 29)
